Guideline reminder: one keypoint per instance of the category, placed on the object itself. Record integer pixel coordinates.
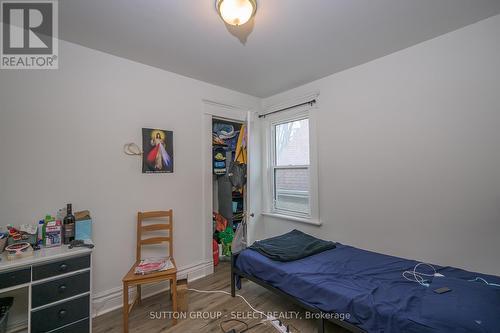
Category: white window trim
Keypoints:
(268, 177)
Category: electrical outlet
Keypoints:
(276, 324)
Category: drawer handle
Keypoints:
(62, 288)
(62, 313)
(63, 267)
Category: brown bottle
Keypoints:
(69, 225)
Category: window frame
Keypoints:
(274, 166)
(312, 216)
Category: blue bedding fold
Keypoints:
(369, 287)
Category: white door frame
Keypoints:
(213, 109)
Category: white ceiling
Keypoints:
(291, 42)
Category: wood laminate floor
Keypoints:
(218, 307)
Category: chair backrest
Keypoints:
(150, 227)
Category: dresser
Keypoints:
(52, 290)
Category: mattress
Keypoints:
(368, 289)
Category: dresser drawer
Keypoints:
(60, 267)
(83, 326)
(14, 278)
(55, 290)
(59, 315)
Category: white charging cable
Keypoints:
(478, 279)
(419, 277)
(227, 293)
(277, 324)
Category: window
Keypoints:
(290, 174)
(290, 167)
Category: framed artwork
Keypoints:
(158, 148)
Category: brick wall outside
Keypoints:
(295, 151)
(292, 179)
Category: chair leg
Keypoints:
(125, 307)
(174, 299)
(139, 294)
(170, 289)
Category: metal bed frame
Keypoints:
(323, 316)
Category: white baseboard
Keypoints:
(112, 299)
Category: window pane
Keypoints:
(292, 143)
(291, 190)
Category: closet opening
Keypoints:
(229, 175)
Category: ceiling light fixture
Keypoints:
(236, 12)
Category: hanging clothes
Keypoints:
(237, 173)
(225, 199)
(241, 146)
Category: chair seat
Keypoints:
(132, 278)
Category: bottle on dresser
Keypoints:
(69, 225)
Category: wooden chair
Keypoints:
(131, 279)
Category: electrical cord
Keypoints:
(251, 327)
(247, 328)
(419, 277)
(227, 293)
(231, 320)
(478, 279)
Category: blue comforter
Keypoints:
(368, 286)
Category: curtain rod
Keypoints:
(311, 103)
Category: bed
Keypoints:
(364, 291)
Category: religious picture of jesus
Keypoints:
(157, 147)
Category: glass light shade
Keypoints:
(236, 12)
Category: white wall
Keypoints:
(409, 152)
(61, 138)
